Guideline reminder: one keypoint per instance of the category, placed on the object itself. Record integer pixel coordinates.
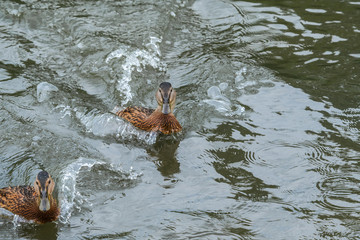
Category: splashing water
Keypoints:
(128, 131)
(221, 103)
(136, 60)
(69, 196)
(72, 199)
(44, 91)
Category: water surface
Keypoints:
(267, 94)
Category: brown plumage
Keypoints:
(32, 202)
(161, 119)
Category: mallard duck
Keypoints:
(161, 119)
(32, 202)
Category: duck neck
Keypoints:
(159, 110)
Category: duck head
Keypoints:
(44, 186)
(165, 96)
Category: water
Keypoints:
(267, 94)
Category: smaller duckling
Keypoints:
(161, 119)
(32, 202)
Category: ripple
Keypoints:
(355, 55)
(340, 193)
(304, 53)
(335, 39)
(13, 86)
(313, 10)
(305, 150)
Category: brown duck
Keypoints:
(32, 202)
(161, 119)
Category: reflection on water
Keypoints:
(46, 231)
(267, 94)
(165, 154)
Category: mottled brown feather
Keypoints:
(150, 120)
(21, 200)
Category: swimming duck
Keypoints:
(32, 202)
(161, 119)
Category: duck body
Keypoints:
(31, 202)
(161, 119)
(150, 120)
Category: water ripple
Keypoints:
(340, 193)
(263, 154)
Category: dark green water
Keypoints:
(268, 95)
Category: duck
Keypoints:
(34, 203)
(160, 119)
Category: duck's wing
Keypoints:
(18, 200)
(150, 120)
(136, 116)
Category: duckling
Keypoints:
(161, 119)
(32, 202)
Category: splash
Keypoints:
(88, 169)
(221, 103)
(70, 197)
(135, 60)
(44, 91)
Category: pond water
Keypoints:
(268, 95)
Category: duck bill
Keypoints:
(44, 202)
(165, 108)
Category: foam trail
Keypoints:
(97, 123)
(105, 124)
(128, 131)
